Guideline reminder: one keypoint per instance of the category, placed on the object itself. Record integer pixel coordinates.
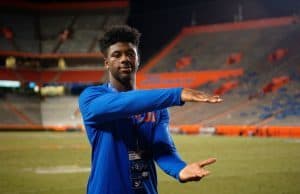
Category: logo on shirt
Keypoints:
(146, 117)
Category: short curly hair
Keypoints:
(119, 33)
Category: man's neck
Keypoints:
(122, 87)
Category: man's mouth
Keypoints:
(126, 69)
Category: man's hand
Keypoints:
(190, 95)
(195, 171)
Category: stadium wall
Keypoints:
(240, 130)
(184, 79)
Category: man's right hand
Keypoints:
(191, 95)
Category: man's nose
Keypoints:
(124, 58)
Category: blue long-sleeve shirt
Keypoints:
(128, 131)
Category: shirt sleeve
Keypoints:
(165, 153)
(98, 106)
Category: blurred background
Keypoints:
(245, 51)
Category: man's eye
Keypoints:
(131, 54)
(117, 55)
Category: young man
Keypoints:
(128, 128)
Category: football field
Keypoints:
(58, 163)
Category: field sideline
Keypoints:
(48, 162)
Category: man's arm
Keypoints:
(168, 159)
(101, 106)
(164, 150)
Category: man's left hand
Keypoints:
(195, 171)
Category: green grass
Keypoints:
(244, 165)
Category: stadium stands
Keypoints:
(20, 109)
(253, 99)
(55, 108)
(55, 44)
(42, 33)
(210, 50)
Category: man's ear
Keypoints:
(138, 61)
(106, 64)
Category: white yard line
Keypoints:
(59, 169)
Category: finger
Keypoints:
(201, 98)
(206, 98)
(203, 172)
(207, 162)
(216, 99)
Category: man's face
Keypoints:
(122, 61)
